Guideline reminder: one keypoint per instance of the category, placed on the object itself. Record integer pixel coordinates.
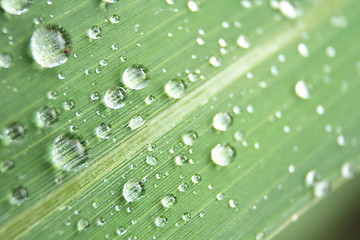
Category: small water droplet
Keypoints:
(115, 98)
(193, 6)
(221, 121)
(233, 203)
(68, 153)
(312, 177)
(68, 105)
(302, 90)
(243, 42)
(136, 122)
(303, 50)
(196, 178)
(341, 140)
(183, 187)
(239, 136)
(82, 224)
(189, 138)
(290, 10)
(186, 217)
(6, 165)
(181, 160)
(133, 190)
(46, 117)
(223, 154)
(348, 170)
(14, 133)
(19, 195)
(136, 76)
(101, 221)
(215, 61)
(151, 160)
(121, 231)
(220, 196)
(94, 32)
(322, 188)
(175, 88)
(161, 221)
(50, 46)
(168, 201)
(103, 130)
(5, 60)
(115, 19)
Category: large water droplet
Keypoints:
(223, 154)
(115, 98)
(161, 221)
(175, 88)
(133, 190)
(136, 76)
(5, 60)
(50, 46)
(221, 121)
(16, 7)
(169, 200)
(46, 117)
(14, 133)
(68, 153)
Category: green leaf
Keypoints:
(288, 78)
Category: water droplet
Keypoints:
(136, 76)
(82, 224)
(303, 50)
(221, 121)
(68, 153)
(243, 42)
(101, 221)
(302, 90)
(260, 236)
(121, 231)
(239, 136)
(341, 140)
(5, 60)
(14, 133)
(181, 160)
(50, 46)
(312, 177)
(193, 6)
(223, 154)
(19, 195)
(149, 99)
(161, 221)
(175, 88)
(196, 178)
(290, 10)
(322, 188)
(103, 130)
(151, 160)
(169, 200)
(192, 77)
(291, 169)
(68, 105)
(215, 61)
(233, 203)
(183, 187)
(16, 7)
(136, 122)
(115, 19)
(246, 4)
(46, 117)
(133, 190)
(348, 170)
(6, 165)
(220, 196)
(186, 216)
(189, 138)
(330, 51)
(94, 32)
(320, 110)
(115, 98)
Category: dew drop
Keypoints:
(322, 188)
(169, 201)
(221, 121)
(151, 160)
(46, 117)
(196, 178)
(68, 105)
(19, 195)
(223, 154)
(348, 170)
(68, 153)
(5, 60)
(133, 190)
(82, 224)
(303, 50)
(14, 133)
(111, 1)
(189, 138)
(15, 7)
(290, 10)
(243, 42)
(239, 136)
(136, 122)
(149, 99)
(6, 165)
(115, 19)
(121, 231)
(175, 88)
(233, 203)
(193, 6)
(220, 196)
(182, 187)
(94, 32)
(103, 130)
(341, 140)
(161, 221)
(215, 61)
(136, 76)
(115, 98)
(186, 217)
(330, 51)
(50, 46)
(181, 160)
(302, 90)
(312, 177)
